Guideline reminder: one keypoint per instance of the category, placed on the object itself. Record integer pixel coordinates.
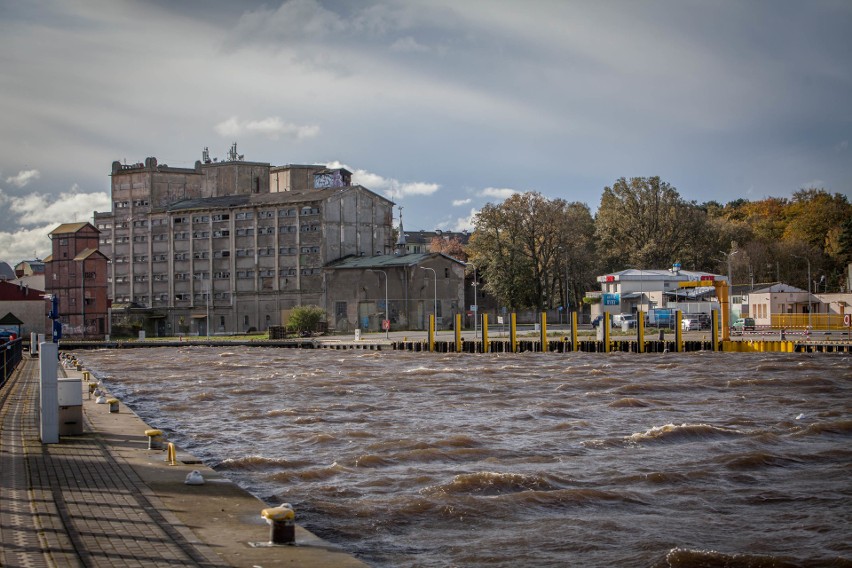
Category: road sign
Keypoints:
(847, 320)
(386, 325)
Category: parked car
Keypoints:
(743, 324)
(598, 319)
(692, 322)
(629, 320)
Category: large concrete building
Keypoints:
(230, 246)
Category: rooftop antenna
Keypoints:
(205, 155)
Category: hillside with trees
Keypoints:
(534, 252)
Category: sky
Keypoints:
(441, 105)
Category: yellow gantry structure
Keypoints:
(722, 294)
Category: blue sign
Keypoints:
(611, 299)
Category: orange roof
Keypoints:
(66, 228)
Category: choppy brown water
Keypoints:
(415, 459)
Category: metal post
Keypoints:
(475, 304)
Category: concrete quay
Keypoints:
(103, 499)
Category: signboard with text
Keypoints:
(611, 299)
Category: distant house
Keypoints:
(24, 305)
(76, 273)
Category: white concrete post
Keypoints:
(48, 362)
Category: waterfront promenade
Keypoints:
(103, 499)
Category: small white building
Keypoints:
(636, 289)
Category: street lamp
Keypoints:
(435, 274)
(475, 303)
(208, 312)
(728, 256)
(810, 309)
(387, 305)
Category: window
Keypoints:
(202, 275)
(181, 236)
(201, 219)
(140, 203)
(247, 232)
(286, 212)
(266, 230)
(287, 250)
(140, 258)
(265, 214)
(200, 255)
(221, 233)
(310, 211)
(244, 215)
(222, 275)
(63, 242)
(140, 223)
(221, 253)
(181, 255)
(221, 217)
(200, 234)
(178, 220)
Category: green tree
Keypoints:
(644, 222)
(305, 318)
(525, 246)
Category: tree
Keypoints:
(304, 319)
(644, 222)
(451, 247)
(525, 245)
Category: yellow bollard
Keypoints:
(282, 522)
(155, 439)
(113, 405)
(171, 455)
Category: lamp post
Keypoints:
(728, 256)
(475, 303)
(810, 309)
(387, 305)
(435, 274)
(208, 312)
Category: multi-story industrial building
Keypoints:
(233, 243)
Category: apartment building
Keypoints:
(230, 246)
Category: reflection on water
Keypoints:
(416, 459)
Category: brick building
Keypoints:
(76, 273)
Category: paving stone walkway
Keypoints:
(75, 503)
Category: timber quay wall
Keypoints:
(494, 346)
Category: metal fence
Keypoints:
(809, 321)
(12, 354)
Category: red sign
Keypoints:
(610, 278)
(386, 325)
(847, 320)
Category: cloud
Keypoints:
(271, 127)
(67, 207)
(460, 202)
(499, 193)
(26, 243)
(23, 178)
(463, 223)
(392, 188)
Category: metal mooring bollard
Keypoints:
(282, 524)
(155, 439)
(113, 405)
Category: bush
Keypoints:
(305, 319)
